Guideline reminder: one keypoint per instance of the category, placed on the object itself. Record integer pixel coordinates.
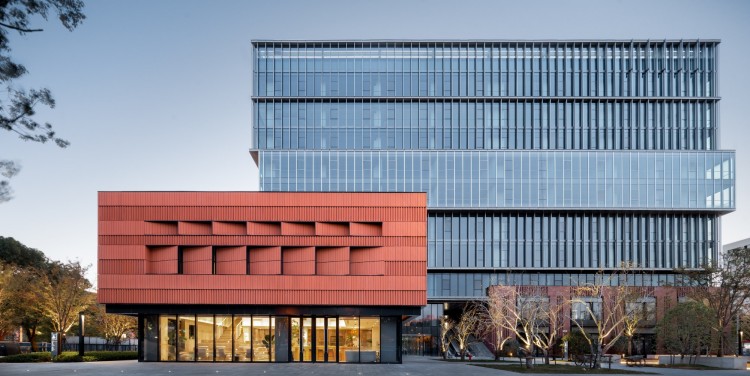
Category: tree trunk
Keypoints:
(596, 362)
(630, 346)
(463, 355)
(31, 334)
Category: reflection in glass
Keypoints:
(307, 332)
(186, 338)
(242, 336)
(320, 339)
(269, 342)
(205, 338)
(348, 339)
(295, 345)
(223, 333)
(262, 338)
(331, 336)
(168, 337)
(150, 326)
(369, 332)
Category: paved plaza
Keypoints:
(412, 366)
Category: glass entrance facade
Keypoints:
(267, 338)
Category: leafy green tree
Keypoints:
(577, 343)
(686, 329)
(65, 295)
(109, 325)
(13, 252)
(18, 107)
(21, 301)
(723, 288)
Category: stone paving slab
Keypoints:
(412, 366)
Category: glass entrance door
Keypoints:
(314, 339)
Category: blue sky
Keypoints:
(155, 95)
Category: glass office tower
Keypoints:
(544, 161)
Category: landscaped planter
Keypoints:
(732, 362)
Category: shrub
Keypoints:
(27, 358)
(68, 356)
(96, 356)
(111, 355)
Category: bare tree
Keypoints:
(635, 313)
(550, 323)
(604, 305)
(466, 326)
(526, 314)
(446, 328)
(492, 321)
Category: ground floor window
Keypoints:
(267, 338)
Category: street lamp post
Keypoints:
(81, 321)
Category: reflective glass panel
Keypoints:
(223, 335)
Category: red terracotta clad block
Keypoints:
(231, 260)
(220, 212)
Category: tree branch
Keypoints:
(20, 28)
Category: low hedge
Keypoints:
(100, 356)
(27, 358)
(96, 356)
(71, 356)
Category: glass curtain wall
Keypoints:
(260, 338)
(593, 180)
(486, 68)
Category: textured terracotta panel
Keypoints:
(300, 199)
(135, 252)
(298, 228)
(357, 241)
(160, 228)
(194, 228)
(231, 260)
(121, 227)
(404, 229)
(229, 228)
(298, 260)
(264, 228)
(121, 266)
(366, 229)
(332, 261)
(263, 214)
(366, 261)
(196, 260)
(332, 228)
(161, 260)
(264, 260)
